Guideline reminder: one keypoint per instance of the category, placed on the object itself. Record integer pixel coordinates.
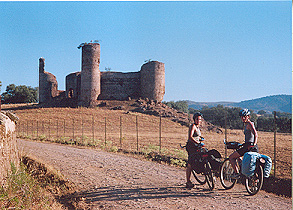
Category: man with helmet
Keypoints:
(194, 136)
(250, 141)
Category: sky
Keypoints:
(213, 51)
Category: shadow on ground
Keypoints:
(114, 193)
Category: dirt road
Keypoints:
(115, 181)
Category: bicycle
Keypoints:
(253, 183)
(203, 171)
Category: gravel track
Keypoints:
(116, 181)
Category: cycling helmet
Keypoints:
(196, 115)
(244, 112)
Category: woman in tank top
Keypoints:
(250, 141)
(194, 136)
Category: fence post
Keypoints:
(43, 130)
(57, 130)
(72, 129)
(120, 132)
(105, 131)
(49, 129)
(275, 143)
(64, 129)
(27, 128)
(226, 134)
(160, 133)
(136, 134)
(82, 128)
(93, 122)
(37, 128)
(32, 129)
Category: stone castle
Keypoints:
(90, 84)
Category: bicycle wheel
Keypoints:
(209, 175)
(200, 177)
(254, 183)
(225, 175)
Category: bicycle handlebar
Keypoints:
(200, 139)
(232, 145)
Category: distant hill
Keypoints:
(279, 103)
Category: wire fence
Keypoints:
(130, 132)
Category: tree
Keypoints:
(178, 105)
(267, 123)
(19, 94)
(216, 115)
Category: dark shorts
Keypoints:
(191, 150)
(247, 148)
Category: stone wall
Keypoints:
(119, 86)
(149, 83)
(73, 85)
(8, 148)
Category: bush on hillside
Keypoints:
(178, 105)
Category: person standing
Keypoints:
(250, 144)
(194, 136)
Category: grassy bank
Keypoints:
(32, 186)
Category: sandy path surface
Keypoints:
(115, 181)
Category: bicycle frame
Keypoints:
(206, 168)
(252, 184)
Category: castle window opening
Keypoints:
(70, 93)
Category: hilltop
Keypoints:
(279, 103)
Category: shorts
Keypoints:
(246, 147)
(191, 150)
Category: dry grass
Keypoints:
(22, 191)
(86, 126)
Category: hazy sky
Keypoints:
(213, 51)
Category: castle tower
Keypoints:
(152, 80)
(42, 93)
(90, 74)
(48, 86)
(41, 65)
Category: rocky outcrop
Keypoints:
(156, 108)
(153, 107)
(8, 149)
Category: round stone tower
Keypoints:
(152, 80)
(90, 74)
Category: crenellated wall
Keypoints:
(8, 148)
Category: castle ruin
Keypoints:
(90, 84)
